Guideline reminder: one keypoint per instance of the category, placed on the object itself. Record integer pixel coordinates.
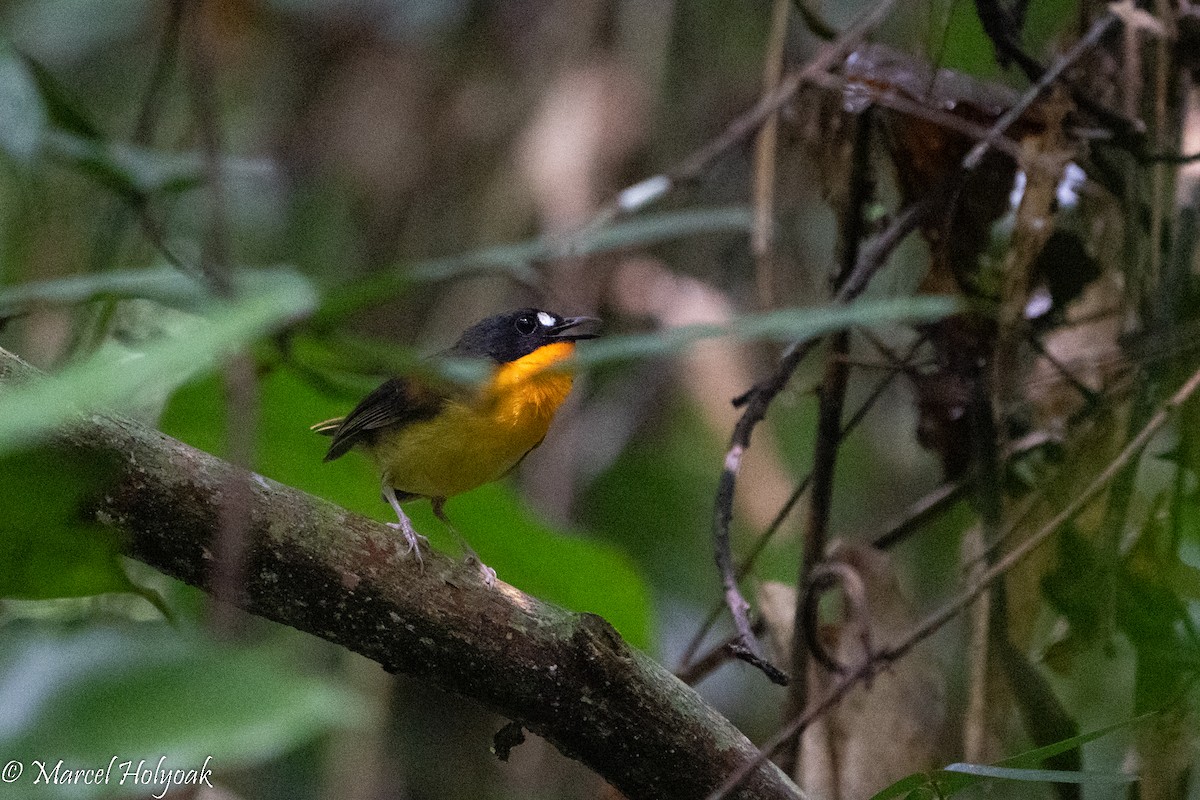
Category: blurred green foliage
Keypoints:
(23, 116)
(953, 37)
(47, 548)
(783, 326)
(1023, 767)
(378, 147)
(119, 379)
(148, 692)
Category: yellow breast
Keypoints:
(477, 439)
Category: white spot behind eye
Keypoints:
(547, 320)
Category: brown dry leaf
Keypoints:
(1049, 154)
(881, 732)
(925, 153)
(826, 133)
(777, 605)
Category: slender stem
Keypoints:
(935, 621)
(762, 234)
(760, 544)
(758, 399)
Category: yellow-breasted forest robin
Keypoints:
(437, 440)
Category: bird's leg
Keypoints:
(485, 572)
(405, 526)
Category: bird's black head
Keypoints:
(509, 336)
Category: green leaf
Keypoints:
(792, 324)
(164, 285)
(135, 172)
(151, 692)
(1031, 758)
(23, 118)
(650, 229)
(956, 777)
(515, 260)
(111, 381)
(1039, 775)
(71, 31)
(63, 109)
(130, 172)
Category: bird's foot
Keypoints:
(486, 573)
(412, 540)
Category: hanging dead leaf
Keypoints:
(881, 732)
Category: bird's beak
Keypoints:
(567, 324)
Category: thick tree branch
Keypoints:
(566, 676)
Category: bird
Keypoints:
(436, 439)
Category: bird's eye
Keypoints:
(526, 324)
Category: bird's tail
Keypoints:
(328, 427)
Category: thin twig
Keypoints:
(143, 129)
(241, 401)
(932, 505)
(938, 619)
(825, 576)
(241, 381)
(1099, 28)
(758, 399)
(815, 22)
(696, 670)
(1001, 28)
(746, 645)
(832, 399)
(164, 61)
(797, 726)
(1170, 158)
(742, 128)
(760, 543)
(979, 621)
(1090, 397)
(900, 103)
(1005, 30)
(214, 254)
(135, 204)
(654, 188)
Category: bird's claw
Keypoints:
(486, 573)
(412, 541)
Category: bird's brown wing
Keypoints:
(399, 401)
